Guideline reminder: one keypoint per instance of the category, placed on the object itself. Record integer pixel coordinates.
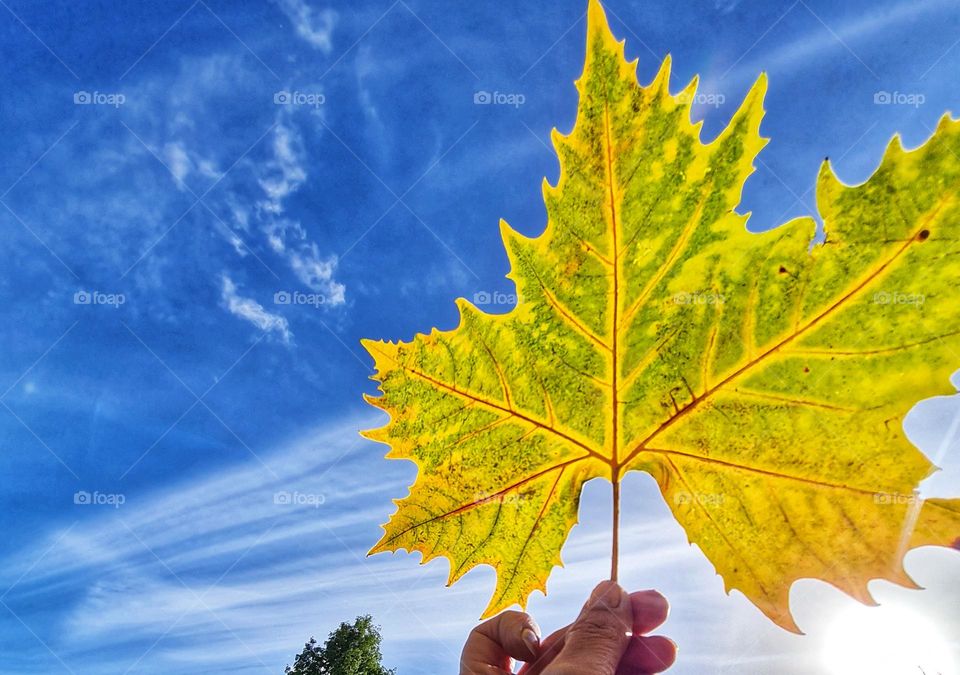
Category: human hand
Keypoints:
(608, 638)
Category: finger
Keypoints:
(598, 638)
(646, 655)
(493, 643)
(650, 609)
(550, 647)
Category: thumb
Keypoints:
(493, 645)
(598, 638)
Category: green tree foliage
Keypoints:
(352, 649)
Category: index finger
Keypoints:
(650, 609)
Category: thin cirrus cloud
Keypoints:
(143, 165)
(252, 311)
(173, 577)
(236, 568)
(280, 177)
(826, 42)
(246, 186)
(310, 23)
(233, 569)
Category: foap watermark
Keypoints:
(96, 498)
(481, 298)
(296, 498)
(299, 98)
(897, 298)
(114, 300)
(510, 498)
(315, 300)
(899, 98)
(702, 98)
(702, 498)
(98, 98)
(895, 498)
(698, 298)
(498, 98)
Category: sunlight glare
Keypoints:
(886, 640)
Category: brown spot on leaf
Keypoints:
(923, 235)
(783, 270)
(806, 369)
(956, 543)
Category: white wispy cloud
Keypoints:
(177, 160)
(281, 176)
(283, 173)
(132, 184)
(252, 311)
(312, 24)
(317, 273)
(824, 42)
(254, 184)
(726, 6)
(236, 566)
(366, 68)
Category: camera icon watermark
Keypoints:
(482, 298)
(698, 298)
(897, 298)
(895, 498)
(498, 98)
(296, 498)
(517, 499)
(315, 300)
(702, 98)
(98, 98)
(702, 498)
(299, 98)
(114, 300)
(96, 498)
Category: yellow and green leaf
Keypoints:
(761, 380)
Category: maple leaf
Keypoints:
(760, 380)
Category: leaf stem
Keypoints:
(615, 553)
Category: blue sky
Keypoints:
(173, 172)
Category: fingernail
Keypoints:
(531, 638)
(651, 602)
(609, 593)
